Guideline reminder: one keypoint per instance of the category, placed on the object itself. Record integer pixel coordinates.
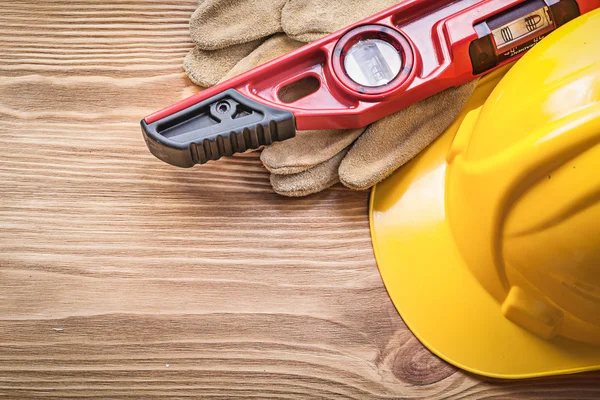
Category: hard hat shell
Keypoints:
(489, 241)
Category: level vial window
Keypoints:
(522, 29)
(372, 62)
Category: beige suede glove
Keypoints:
(359, 158)
(225, 31)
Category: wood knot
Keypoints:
(416, 365)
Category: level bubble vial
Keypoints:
(372, 62)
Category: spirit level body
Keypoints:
(441, 44)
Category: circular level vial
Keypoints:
(372, 62)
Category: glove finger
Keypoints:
(205, 68)
(309, 20)
(217, 24)
(306, 150)
(390, 143)
(270, 49)
(311, 181)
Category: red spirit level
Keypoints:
(355, 76)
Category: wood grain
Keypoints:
(122, 277)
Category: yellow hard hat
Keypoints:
(489, 241)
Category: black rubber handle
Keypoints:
(222, 125)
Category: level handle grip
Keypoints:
(222, 125)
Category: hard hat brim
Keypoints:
(432, 288)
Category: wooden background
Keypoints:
(123, 277)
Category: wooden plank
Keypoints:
(122, 277)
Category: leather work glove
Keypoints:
(358, 158)
(225, 31)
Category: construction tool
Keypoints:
(356, 76)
